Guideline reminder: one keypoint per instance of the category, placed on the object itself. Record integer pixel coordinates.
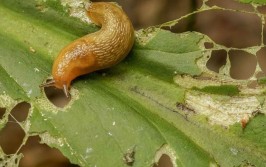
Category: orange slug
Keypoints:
(96, 51)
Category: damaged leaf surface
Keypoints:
(136, 104)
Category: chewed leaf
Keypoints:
(222, 110)
(161, 100)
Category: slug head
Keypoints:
(74, 60)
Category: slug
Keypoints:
(99, 50)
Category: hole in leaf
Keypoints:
(156, 12)
(56, 96)
(11, 136)
(262, 9)
(243, 64)
(129, 156)
(20, 112)
(36, 154)
(199, 3)
(164, 161)
(208, 45)
(261, 56)
(229, 4)
(2, 112)
(231, 29)
(217, 60)
(183, 8)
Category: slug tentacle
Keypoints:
(49, 83)
(99, 50)
(66, 91)
(52, 83)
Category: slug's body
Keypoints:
(95, 51)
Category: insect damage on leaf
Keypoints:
(223, 99)
(48, 104)
(10, 160)
(129, 156)
(166, 149)
(48, 139)
(145, 35)
(223, 110)
(76, 9)
(6, 101)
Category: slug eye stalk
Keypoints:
(52, 83)
(48, 84)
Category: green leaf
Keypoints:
(135, 106)
(230, 90)
(260, 2)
